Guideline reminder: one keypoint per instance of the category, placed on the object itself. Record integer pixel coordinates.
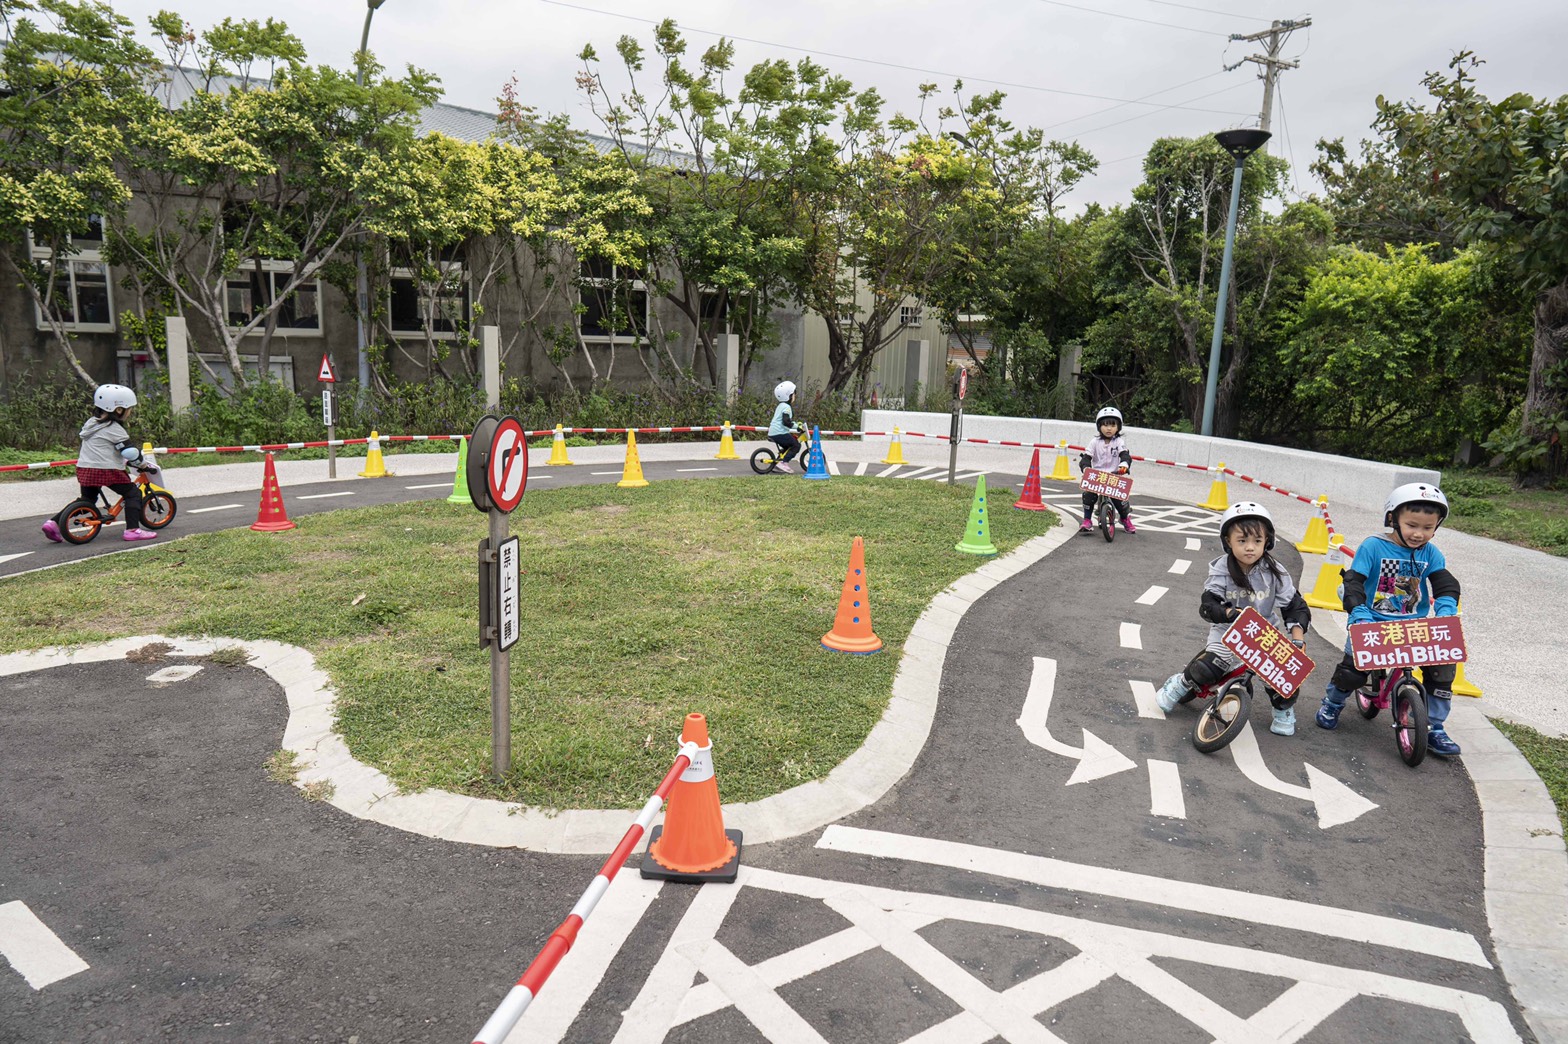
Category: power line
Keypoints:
(1163, 108)
(889, 65)
(1290, 150)
(1144, 97)
(1205, 10)
(1132, 18)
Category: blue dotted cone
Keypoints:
(816, 462)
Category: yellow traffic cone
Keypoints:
(1060, 471)
(558, 448)
(895, 449)
(374, 466)
(1325, 592)
(727, 445)
(1316, 540)
(147, 456)
(1219, 496)
(631, 474)
(1464, 686)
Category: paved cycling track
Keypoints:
(1057, 863)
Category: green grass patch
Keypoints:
(1548, 755)
(639, 607)
(1489, 506)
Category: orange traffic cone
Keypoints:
(851, 631)
(1030, 501)
(693, 845)
(272, 518)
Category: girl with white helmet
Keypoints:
(106, 450)
(1401, 577)
(781, 430)
(1245, 575)
(1108, 452)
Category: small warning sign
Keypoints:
(327, 375)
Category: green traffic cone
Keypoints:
(460, 483)
(977, 538)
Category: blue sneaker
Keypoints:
(1328, 716)
(1439, 743)
(1284, 723)
(1171, 692)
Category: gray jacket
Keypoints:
(1274, 595)
(102, 441)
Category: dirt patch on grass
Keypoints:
(152, 652)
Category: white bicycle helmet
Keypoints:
(1113, 413)
(111, 397)
(1247, 509)
(1415, 493)
(784, 390)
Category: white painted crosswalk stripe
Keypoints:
(34, 951)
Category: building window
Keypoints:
(82, 299)
(713, 309)
(615, 302)
(250, 292)
(441, 297)
(909, 315)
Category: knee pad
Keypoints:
(1439, 679)
(1347, 679)
(1205, 669)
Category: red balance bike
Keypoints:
(1107, 486)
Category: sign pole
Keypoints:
(958, 423)
(329, 414)
(500, 669)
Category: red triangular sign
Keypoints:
(326, 375)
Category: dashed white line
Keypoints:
(1143, 696)
(1194, 544)
(323, 496)
(598, 473)
(1152, 595)
(216, 507)
(1165, 796)
(682, 470)
(1181, 565)
(429, 485)
(1132, 636)
(34, 951)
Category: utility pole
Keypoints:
(1270, 61)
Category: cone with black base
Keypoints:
(1030, 500)
(693, 845)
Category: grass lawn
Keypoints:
(639, 607)
(1492, 507)
(1548, 755)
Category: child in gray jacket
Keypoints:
(1245, 575)
(106, 450)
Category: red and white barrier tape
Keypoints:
(533, 978)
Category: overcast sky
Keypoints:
(1064, 65)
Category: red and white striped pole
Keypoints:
(521, 995)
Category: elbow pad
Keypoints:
(1355, 595)
(1083, 460)
(129, 452)
(1213, 608)
(1444, 585)
(1126, 458)
(1296, 611)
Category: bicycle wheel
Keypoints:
(1409, 710)
(763, 460)
(79, 522)
(158, 510)
(1107, 520)
(1364, 702)
(1222, 718)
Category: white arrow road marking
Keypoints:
(34, 951)
(1181, 565)
(1152, 595)
(1194, 544)
(1144, 696)
(1096, 757)
(1132, 636)
(19, 554)
(1165, 796)
(1336, 803)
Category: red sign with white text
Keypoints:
(1407, 643)
(1108, 483)
(1267, 651)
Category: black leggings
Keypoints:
(133, 500)
(788, 443)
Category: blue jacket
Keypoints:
(783, 421)
(1388, 581)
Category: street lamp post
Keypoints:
(1240, 144)
(362, 278)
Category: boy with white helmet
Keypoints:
(1401, 577)
(1245, 575)
(782, 428)
(106, 450)
(1108, 452)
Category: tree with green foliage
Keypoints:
(1503, 168)
(1397, 356)
(72, 80)
(235, 171)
